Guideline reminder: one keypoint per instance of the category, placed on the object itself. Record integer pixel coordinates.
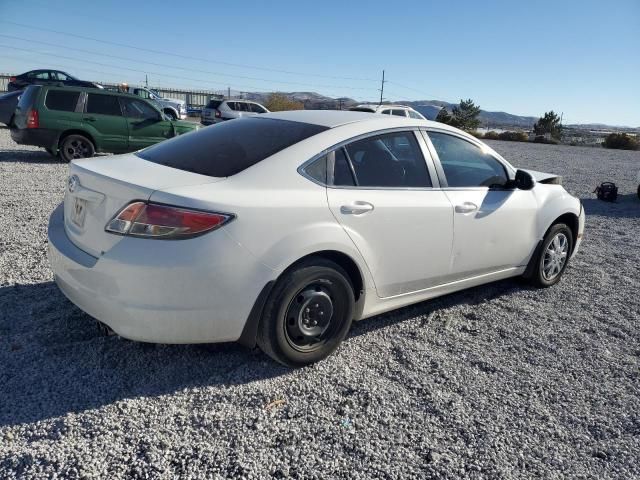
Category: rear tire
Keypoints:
(76, 146)
(553, 257)
(308, 313)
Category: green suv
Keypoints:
(77, 122)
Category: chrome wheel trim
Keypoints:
(555, 257)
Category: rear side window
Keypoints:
(224, 149)
(63, 100)
(389, 160)
(103, 104)
(232, 105)
(398, 113)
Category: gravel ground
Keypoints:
(501, 381)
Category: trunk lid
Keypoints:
(98, 188)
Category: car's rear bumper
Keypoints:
(186, 291)
(39, 137)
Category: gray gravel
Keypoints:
(501, 381)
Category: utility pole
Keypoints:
(146, 80)
(228, 92)
(382, 88)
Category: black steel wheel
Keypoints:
(308, 313)
(76, 146)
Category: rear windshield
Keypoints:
(28, 97)
(227, 148)
(214, 103)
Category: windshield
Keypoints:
(155, 94)
(227, 148)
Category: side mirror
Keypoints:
(524, 180)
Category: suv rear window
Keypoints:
(214, 103)
(227, 148)
(63, 100)
(28, 98)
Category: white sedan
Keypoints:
(281, 229)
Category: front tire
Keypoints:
(308, 313)
(171, 114)
(553, 258)
(76, 146)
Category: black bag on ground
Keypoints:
(607, 191)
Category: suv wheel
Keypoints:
(171, 114)
(308, 313)
(76, 146)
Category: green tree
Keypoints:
(465, 116)
(550, 124)
(277, 102)
(443, 116)
(621, 141)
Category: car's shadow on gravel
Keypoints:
(27, 156)
(626, 206)
(472, 296)
(54, 360)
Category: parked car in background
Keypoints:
(172, 107)
(282, 228)
(78, 122)
(8, 103)
(217, 111)
(398, 110)
(47, 77)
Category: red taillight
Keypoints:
(12, 79)
(152, 220)
(33, 120)
(218, 114)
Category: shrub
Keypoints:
(514, 136)
(542, 139)
(491, 135)
(621, 141)
(278, 102)
(476, 134)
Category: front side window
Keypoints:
(255, 108)
(59, 76)
(138, 109)
(465, 164)
(388, 160)
(62, 100)
(141, 93)
(103, 104)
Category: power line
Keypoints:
(181, 68)
(253, 67)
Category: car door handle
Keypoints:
(356, 208)
(89, 119)
(466, 207)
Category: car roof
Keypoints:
(335, 118)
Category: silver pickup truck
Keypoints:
(174, 108)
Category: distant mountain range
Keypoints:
(428, 108)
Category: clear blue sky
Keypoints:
(524, 57)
